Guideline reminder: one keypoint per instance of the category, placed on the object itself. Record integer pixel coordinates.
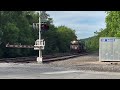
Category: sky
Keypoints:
(85, 23)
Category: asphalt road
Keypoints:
(46, 71)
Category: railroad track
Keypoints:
(47, 58)
(63, 57)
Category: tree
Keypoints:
(10, 33)
(112, 23)
(112, 29)
(16, 28)
(66, 35)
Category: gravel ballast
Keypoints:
(88, 62)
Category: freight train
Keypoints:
(77, 46)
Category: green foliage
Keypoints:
(16, 28)
(51, 39)
(92, 43)
(66, 35)
(58, 39)
(112, 23)
(10, 33)
(112, 30)
(1, 34)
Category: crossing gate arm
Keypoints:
(19, 46)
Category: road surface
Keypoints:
(46, 71)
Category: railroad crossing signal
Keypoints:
(39, 43)
(44, 26)
(43, 22)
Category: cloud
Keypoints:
(85, 23)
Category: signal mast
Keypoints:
(39, 43)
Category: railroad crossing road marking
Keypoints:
(60, 72)
(82, 71)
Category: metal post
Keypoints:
(39, 59)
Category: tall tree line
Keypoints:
(16, 28)
(112, 29)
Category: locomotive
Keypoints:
(77, 46)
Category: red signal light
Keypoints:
(44, 27)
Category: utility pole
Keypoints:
(39, 43)
(40, 52)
